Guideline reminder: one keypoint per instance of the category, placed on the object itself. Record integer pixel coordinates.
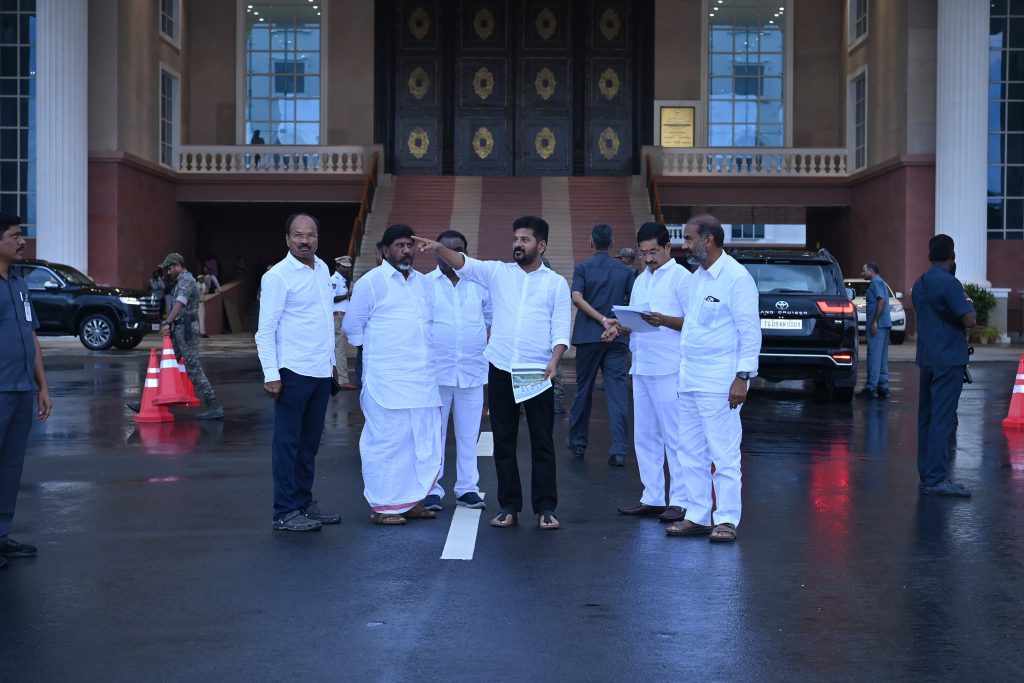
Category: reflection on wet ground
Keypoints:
(157, 560)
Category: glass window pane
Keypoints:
(307, 133)
(721, 65)
(720, 136)
(1015, 181)
(745, 111)
(259, 62)
(772, 88)
(769, 136)
(309, 62)
(259, 86)
(1015, 91)
(995, 149)
(995, 65)
(721, 40)
(995, 214)
(1014, 214)
(995, 117)
(259, 37)
(997, 7)
(997, 32)
(1014, 65)
(720, 111)
(721, 87)
(308, 39)
(995, 181)
(1015, 148)
(1017, 32)
(772, 64)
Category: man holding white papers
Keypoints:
(655, 373)
(530, 328)
(599, 283)
(400, 446)
(719, 346)
(460, 313)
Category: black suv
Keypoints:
(68, 302)
(808, 321)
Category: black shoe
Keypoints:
(617, 460)
(866, 393)
(579, 452)
(314, 513)
(946, 488)
(12, 548)
(432, 502)
(883, 394)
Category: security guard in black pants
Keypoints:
(944, 312)
(21, 362)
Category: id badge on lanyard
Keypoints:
(28, 307)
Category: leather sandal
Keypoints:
(723, 533)
(505, 519)
(387, 519)
(546, 520)
(687, 528)
(417, 511)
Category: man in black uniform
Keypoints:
(943, 315)
(21, 362)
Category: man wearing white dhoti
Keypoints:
(400, 446)
(719, 347)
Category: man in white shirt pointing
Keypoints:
(460, 313)
(295, 342)
(400, 446)
(719, 345)
(531, 326)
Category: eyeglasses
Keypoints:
(300, 236)
(649, 252)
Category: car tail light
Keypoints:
(836, 307)
(843, 357)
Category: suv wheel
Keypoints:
(126, 343)
(826, 390)
(96, 332)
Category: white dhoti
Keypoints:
(655, 438)
(710, 433)
(401, 454)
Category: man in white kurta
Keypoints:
(719, 347)
(460, 313)
(655, 371)
(400, 445)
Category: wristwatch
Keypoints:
(743, 375)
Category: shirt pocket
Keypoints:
(710, 311)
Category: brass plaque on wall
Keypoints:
(676, 124)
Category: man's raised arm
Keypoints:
(453, 258)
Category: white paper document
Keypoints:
(528, 381)
(629, 316)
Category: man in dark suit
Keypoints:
(943, 315)
(599, 283)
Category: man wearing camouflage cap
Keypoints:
(182, 326)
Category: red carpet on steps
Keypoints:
(503, 200)
(600, 200)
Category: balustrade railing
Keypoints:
(248, 159)
(749, 161)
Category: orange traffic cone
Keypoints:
(149, 411)
(172, 391)
(189, 389)
(1015, 415)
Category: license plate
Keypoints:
(773, 324)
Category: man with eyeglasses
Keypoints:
(460, 313)
(655, 372)
(295, 342)
(21, 371)
(400, 446)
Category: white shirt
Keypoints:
(459, 317)
(389, 316)
(340, 287)
(721, 327)
(531, 311)
(657, 353)
(296, 329)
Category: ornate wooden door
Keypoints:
(609, 74)
(418, 85)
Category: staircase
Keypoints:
(483, 209)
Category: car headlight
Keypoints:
(130, 301)
(862, 309)
(896, 308)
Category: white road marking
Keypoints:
(462, 535)
(485, 445)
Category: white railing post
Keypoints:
(753, 161)
(291, 159)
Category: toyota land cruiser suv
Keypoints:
(808, 321)
(68, 302)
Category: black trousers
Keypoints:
(540, 418)
(298, 424)
(938, 397)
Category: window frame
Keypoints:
(175, 37)
(175, 121)
(702, 133)
(851, 119)
(853, 40)
(242, 69)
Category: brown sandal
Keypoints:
(547, 521)
(687, 528)
(723, 533)
(505, 519)
(387, 519)
(417, 511)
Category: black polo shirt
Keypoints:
(17, 345)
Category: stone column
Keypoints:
(62, 132)
(961, 128)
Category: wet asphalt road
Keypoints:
(157, 560)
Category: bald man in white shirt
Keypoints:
(718, 353)
(295, 342)
(531, 326)
(400, 446)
